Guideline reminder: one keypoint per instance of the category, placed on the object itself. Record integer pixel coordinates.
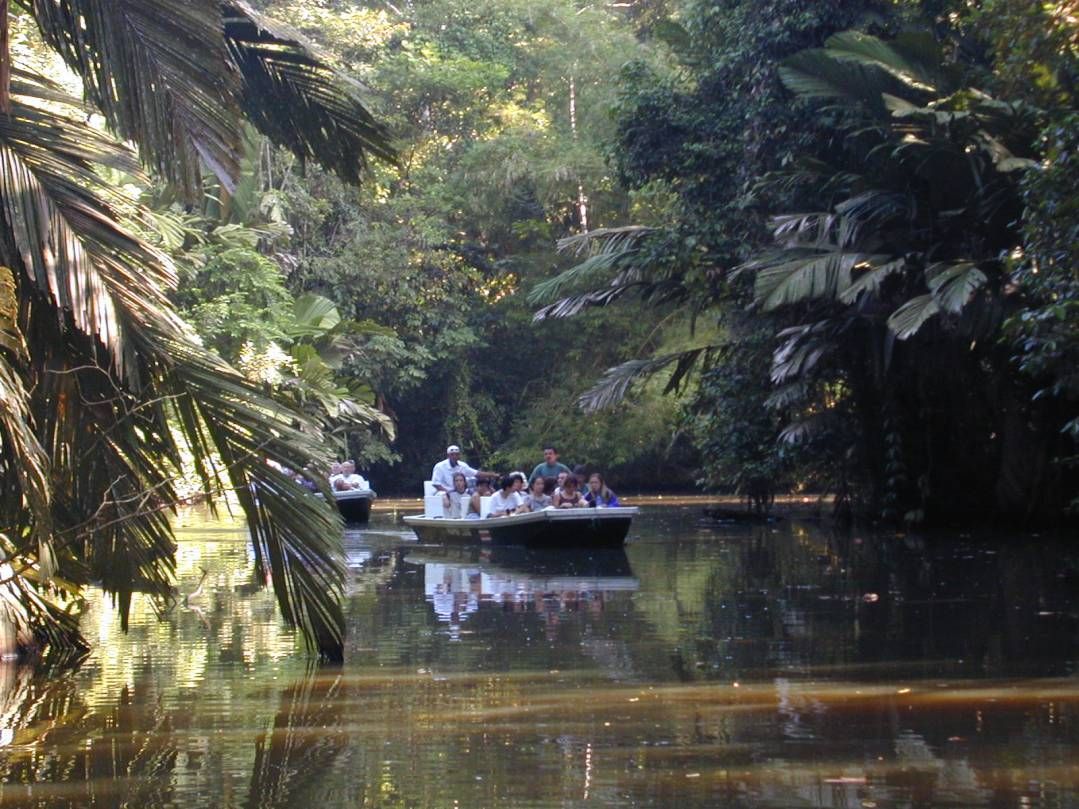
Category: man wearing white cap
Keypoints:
(442, 474)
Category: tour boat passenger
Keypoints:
(536, 500)
(569, 496)
(559, 481)
(598, 494)
(519, 483)
(442, 473)
(506, 501)
(483, 489)
(348, 480)
(455, 503)
(549, 468)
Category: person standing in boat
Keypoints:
(443, 471)
(598, 495)
(569, 496)
(455, 503)
(506, 501)
(550, 466)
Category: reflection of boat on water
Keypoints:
(456, 585)
(355, 504)
(551, 528)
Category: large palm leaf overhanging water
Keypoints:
(96, 368)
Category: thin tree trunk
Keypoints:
(582, 200)
(5, 58)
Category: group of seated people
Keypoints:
(344, 478)
(551, 485)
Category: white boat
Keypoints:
(580, 528)
(355, 504)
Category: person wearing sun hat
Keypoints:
(442, 474)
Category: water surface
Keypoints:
(770, 666)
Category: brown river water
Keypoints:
(767, 666)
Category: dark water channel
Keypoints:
(779, 666)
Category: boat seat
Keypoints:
(432, 505)
(429, 488)
(485, 504)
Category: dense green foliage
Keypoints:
(921, 241)
(850, 267)
(501, 113)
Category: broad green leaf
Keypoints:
(954, 285)
(911, 316)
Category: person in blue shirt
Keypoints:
(550, 466)
(598, 495)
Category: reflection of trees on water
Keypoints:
(613, 703)
(798, 599)
(307, 738)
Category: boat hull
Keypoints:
(577, 528)
(355, 506)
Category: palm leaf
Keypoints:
(912, 315)
(617, 381)
(105, 425)
(25, 461)
(313, 316)
(63, 234)
(298, 101)
(159, 72)
(606, 249)
(575, 304)
(177, 77)
(871, 280)
(913, 57)
(953, 285)
(819, 73)
(795, 276)
(800, 350)
(296, 536)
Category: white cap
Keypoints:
(452, 448)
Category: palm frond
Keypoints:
(617, 381)
(24, 463)
(159, 72)
(800, 350)
(912, 315)
(177, 77)
(575, 304)
(297, 100)
(56, 207)
(94, 292)
(871, 279)
(795, 276)
(296, 536)
(821, 74)
(914, 57)
(603, 240)
(786, 395)
(605, 250)
(953, 285)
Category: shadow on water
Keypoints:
(773, 666)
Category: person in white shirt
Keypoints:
(348, 479)
(504, 502)
(442, 474)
